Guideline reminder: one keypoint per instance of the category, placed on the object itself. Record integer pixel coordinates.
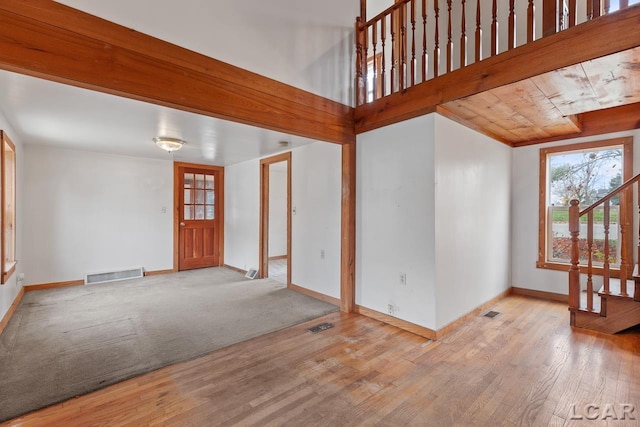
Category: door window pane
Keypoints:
(187, 196)
(210, 198)
(211, 212)
(188, 180)
(199, 181)
(200, 197)
(199, 212)
(210, 182)
(188, 212)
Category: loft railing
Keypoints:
(625, 197)
(417, 40)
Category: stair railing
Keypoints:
(626, 259)
(401, 46)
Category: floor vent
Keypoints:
(491, 314)
(113, 276)
(321, 327)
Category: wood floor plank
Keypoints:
(523, 367)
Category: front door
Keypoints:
(199, 216)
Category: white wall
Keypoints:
(242, 214)
(316, 197)
(472, 205)
(9, 290)
(395, 227)
(278, 209)
(525, 215)
(90, 212)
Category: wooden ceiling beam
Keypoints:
(615, 119)
(49, 40)
(594, 39)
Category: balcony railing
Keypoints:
(417, 40)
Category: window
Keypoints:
(8, 201)
(586, 172)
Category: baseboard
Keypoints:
(42, 286)
(274, 258)
(399, 323)
(239, 270)
(12, 309)
(549, 296)
(314, 294)
(158, 272)
(473, 313)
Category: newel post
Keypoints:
(574, 270)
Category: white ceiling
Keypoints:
(304, 43)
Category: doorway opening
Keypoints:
(275, 218)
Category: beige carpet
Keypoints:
(66, 342)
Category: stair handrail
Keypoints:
(574, 229)
(611, 195)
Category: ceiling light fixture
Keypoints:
(169, 144)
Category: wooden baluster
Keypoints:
(622, 224)
(365, 61)
(383, 38)
(549, 17)
(590, 261)
(403, 47)
(512, 25)
(574, 270)
(360, 83)
(394, 67)
(436, 50)
(494, 29)
(607, 249)
(449, 39)
(572, 13)
(413, 43)
(597, 8)
(531, 22)
(589, 10)
(463, 38)
(374, 44)
(425, 55)
(478, 33)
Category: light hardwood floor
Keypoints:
(524, 367)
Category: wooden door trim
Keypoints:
(177, 166)
(263, 260)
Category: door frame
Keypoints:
(219, 192)
(263, 257)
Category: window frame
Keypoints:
(7, 268)
(627, 173)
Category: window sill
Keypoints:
(559, 266)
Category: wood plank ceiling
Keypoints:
(552, 105)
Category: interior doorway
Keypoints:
(275, 218)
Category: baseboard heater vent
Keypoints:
(113, 276)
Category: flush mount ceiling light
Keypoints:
(169, 144)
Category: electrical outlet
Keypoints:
(322, 254)
(163, 209)
(392, 309)
(294, 210)
(20, 279)
(403, 279)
